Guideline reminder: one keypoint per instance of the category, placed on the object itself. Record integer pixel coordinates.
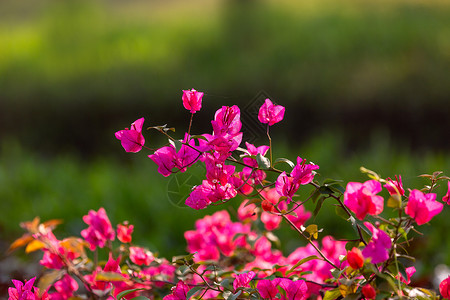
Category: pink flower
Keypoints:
(395, 187)
(243, 280)
(267, 288)
(99, 230)
(179, 292)
(141, 256)
(444, 289)
(303, 173)
(422, 207)
(227, 120)
(270, 221)
(299, 216)
(355, 258)
(132, 139)
(197, 198)
(361, 198)
(286, 186)
(369, 292)
(64, 287)
(22, 291)
(295, 290)
(192, 100)
(446, 198)
(258, 175)
(270, 113)
(124, 232)
(247, 212)
(378, 248)
(165, 158)
(409, 273)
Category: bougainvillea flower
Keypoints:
(446, 198)
(165, 158)
(132, 139)
(409, 273)
(65, 288)
(380, 244)
(179, 292)
(355, 258)
(141, 256)
(267, 288)
(227, 120)
(422, 207)
(192, 100)
(444, 288)
(242, 280)
(369, 292)
(216, 169)
(270, 221)
(360, 198)
(247, 212)
(286, 186)
(258, 175)
(295, 290)
(303, 173)
(124, 232)
(395, 187)
(270, 113)
(197, 198)
(22, 291)
(99, 230)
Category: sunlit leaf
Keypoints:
(332, 294)
(34, 246)
(284, 160)
(193, 291)
(124, 293)
(109, 276)
(300, 262)
(49, 278)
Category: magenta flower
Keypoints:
(295, 290)
(132, 139)
(361, 198)
(258, 175)
(422, 207)
(444, 288)
(286, 186)
(22, 291)
(192, 100)
(378, 247)
(141, 256)
(268, 288)
(227, 120)
(395, 187)
(197, 198)
(65, 288)
(355, 258)
(124, 232)
(243, 280)
(247, 212)
(446, 198)
(303, 173)
(99, 230)
(270, 113)
(179, 292)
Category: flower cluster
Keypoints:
(241, 259)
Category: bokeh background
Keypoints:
(363, 82)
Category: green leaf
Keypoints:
(235, 296)
(341, 212)
(300, 262)
(318, 206)
(325, 190)
(332, 294)
(140, 298)
(263, 162)
(284, 160)
(49, 278)
(124, 293)
(176, 144)
(314, 195)
(193, 291)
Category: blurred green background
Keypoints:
(363, 83)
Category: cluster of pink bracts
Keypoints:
(236, 260)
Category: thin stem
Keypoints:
(190, 124)
(270, 144)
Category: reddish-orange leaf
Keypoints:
(20, 242)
